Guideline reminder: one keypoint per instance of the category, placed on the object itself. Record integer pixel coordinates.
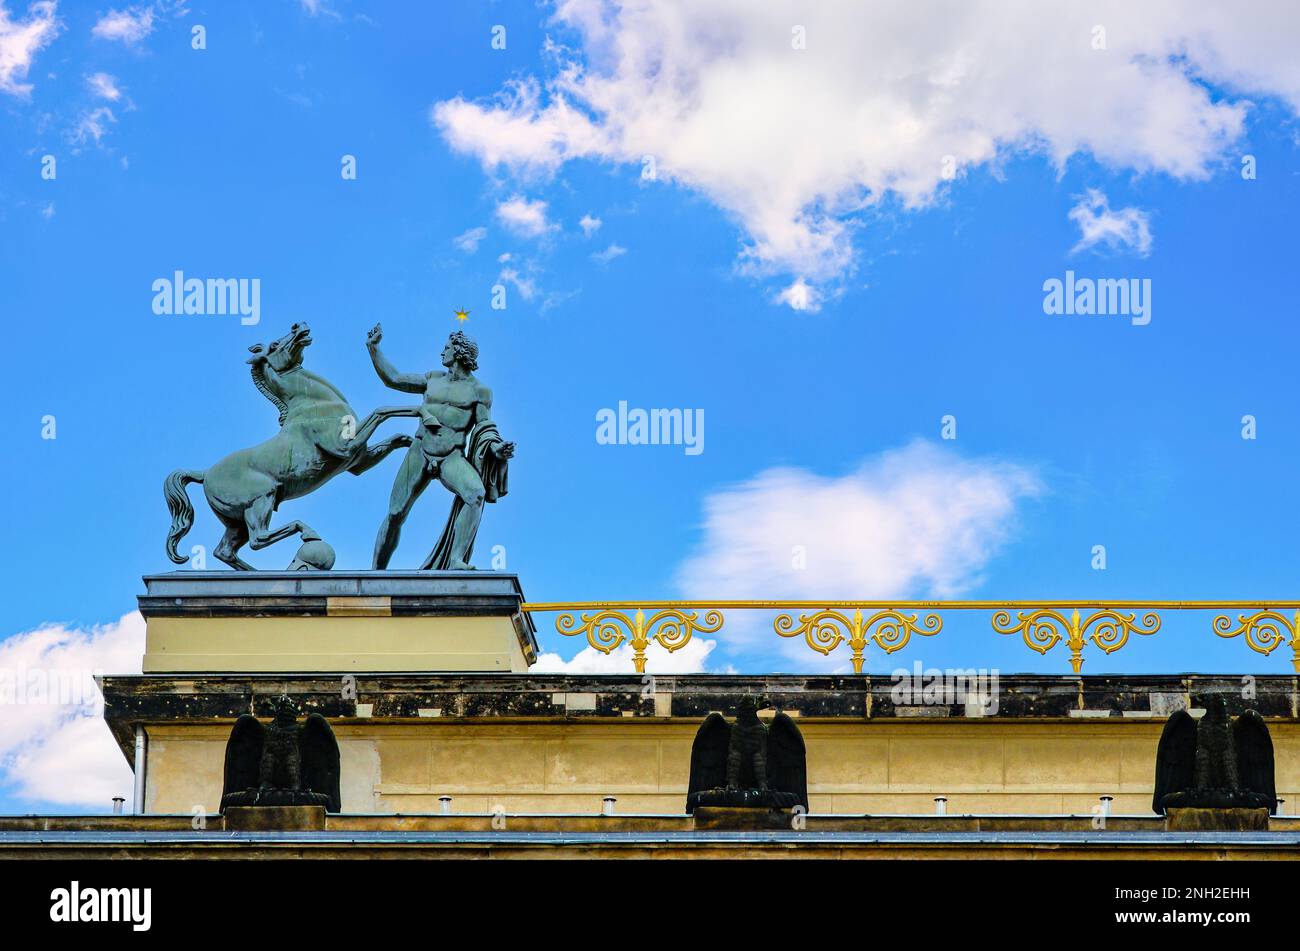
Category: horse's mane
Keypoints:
(259, 380)
(323, 382)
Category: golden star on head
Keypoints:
(461, 315)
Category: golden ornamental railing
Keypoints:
(825, 625)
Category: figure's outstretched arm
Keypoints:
(406, 382)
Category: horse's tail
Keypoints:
(178, 502)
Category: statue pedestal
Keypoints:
(276, 798)
(335, 622)
(273, 818)
(741, 819)
(723, 797)
(1216, 820)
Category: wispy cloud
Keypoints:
(522, 275)
(299, 99)
(128, 26)
(317, 8)
(469, 241)
(92, 125)
(523, 217)
(801, 296)
(1117, 230)
(609, 254)
(104, 86)
(589, 225)
(20, 40)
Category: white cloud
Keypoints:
(524, 277)
(469, 240)
(801, 296)
(92, 125)
(129, 26)
(517, 130)
(919, 521)
(885, 100)
(52, 747)
(589, 225)
(319, 7)
(47, 211)
(1126, 228)
(20, 41)
(299, 99)
(691, 658)
(104, 86)
(523, 217)
(609, 254)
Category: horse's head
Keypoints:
(283, 354)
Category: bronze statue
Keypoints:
(319, 437)
(746, 763)
(1215, 764)
(456, 443)
(282, 764)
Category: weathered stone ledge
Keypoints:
(814, 822)
(322, 593)
(219, 698)
(603, 843)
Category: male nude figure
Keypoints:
(454, 402)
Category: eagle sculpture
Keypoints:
(747, 763)
(1219, 763)
(282, 763)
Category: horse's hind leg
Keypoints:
(228, 548)
(260, 535)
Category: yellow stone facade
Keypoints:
(987, 767)
(357, 637)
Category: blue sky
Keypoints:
(916, 295)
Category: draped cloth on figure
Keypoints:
(481, 450)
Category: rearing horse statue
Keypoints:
(319, 437)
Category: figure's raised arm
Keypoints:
(406, 382)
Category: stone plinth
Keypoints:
(1217, 820)
(273, 818)
(741, 799)
(742, 819)
(335, 622)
